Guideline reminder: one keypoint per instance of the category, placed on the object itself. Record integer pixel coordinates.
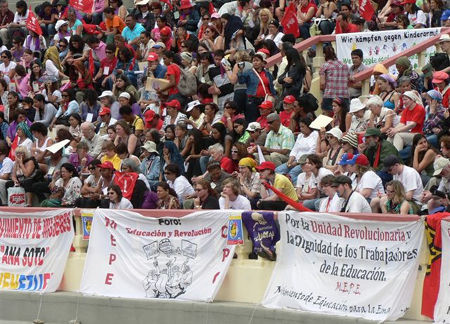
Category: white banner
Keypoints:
(442, 307)
(33, 249)
(381, 45)
(342, 266)
(141, 257)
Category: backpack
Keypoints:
(187, 84)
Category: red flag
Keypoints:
(433, 276)
(168, 3)
(366, 9)
(289, 21)
(86, 6)
(297, 205)
(32, 23)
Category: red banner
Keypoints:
(289, 21)
(366, 9)
(86, 6)
(33, 23)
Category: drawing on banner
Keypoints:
(263, 232)
(235, 230)
(170, 273)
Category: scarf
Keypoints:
(26, 130)
(52, 54)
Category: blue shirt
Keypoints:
(72, 108)
(130, 35)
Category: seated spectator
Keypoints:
(249, 180)
(288, 110)
(435, 116)
(341, 116)
(305, 144)
(423, 156)
(70, 182)
(332, 202)
(349, 143)
(55, 198)
(125, 136)
(174, 115)
(441, 82)
(150, 166)
(334, 152)
(171, 155)
(265, 109)
(411, 122)
(353, 202)
(381, 117)
(206, 196)
(360, 116)
(90, 192)
(388, 93)
(178, 182)
(42, 141)
(75, 126)
(81, 158)
(306, 181)
(6, 169)
(368, 184)
(318, 171)
(167, 197)
(270, 200)
(231, 198)
(215, 176)
(45, 111)
(395, 201)
(93, 140)
(116, 201)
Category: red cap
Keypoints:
(185, 4)
(149, 115)
(361, 159)
(439, 76)
(266, 165)
(104, 111)
(266, 105)
(265, 51)
(207, 101)
(166, 31)
(408, 1)
(174, 103)
(152, 57)
(289, 99)
(106, 165)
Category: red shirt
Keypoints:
(108, 63)
(260, 93)
(227, 165)
(285, 117)
(173, 69)
(351, 28)
(262, 120)
(306, 9)
(445, 96)
(417, 115)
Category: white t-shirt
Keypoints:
(418, 18)
(26, 143)
(357, 204)
(333, 205)
(6, 166)
(322, 173)
(411, 180)
(370, 180)
(5, 69)
(124, 203)
(51, 69)
(239, 203)
(182, 187)
(306, 183)
(304, 145)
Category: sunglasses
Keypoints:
(4, 56)
(111, 193)
(91, 168)
(234, 151)
(197, 190)
(109, 52)
(65, 95)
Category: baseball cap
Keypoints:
(336, 132)
(149, 115)
(445, 15)
(289, 99)
(439, 76)
(106, 93)
(408, 1)
(361, 159)
(390, 161)
(266, 165)
(174, 103)
(302, 159)
(215, 15)
(372, 132)
(192, 105)
(125, 95)
(106, 165)
(253, 126)
(347, 159)
(104, 111)
(435, 95)
(152, 57)
(166, 31)
(159, 45)
(439, 165)
(266, 104)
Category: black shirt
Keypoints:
(211, 203)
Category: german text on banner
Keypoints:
(381, 45)
(442, 307)
(142, 257)
(342, 266)
(34, 248)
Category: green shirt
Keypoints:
(283, 139)
(386, 149)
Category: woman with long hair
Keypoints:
(124, 135)
(167, 197)
(119, 8)
(116, 200)
(396, 202)
(197, 145)
(123, 84)
(39, 146)
(71, 183)
(341, 117)
(90, 105)
(171, 155)
(36, 84)
(292, 79)
(264, 17)
(13, 105)
(126, 65)
(390, 97)
(423, 155)
(212, 38)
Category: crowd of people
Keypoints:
(171, 104)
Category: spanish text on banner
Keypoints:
(33, 249)
(442, 308)
(342, 266)
(141, 257)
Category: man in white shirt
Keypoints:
(332, 202)
(230, 197)
(354, 202)
(408, 176)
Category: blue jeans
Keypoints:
(293, 172)
(312, 204)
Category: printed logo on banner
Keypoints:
(263, 232)
(33, 249)
(86, 221)
(442, 307)
(144, 257)
(342, 266)
(235, 231)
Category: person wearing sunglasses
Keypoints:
(116, 200)
(206, 196)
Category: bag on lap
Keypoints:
(16, 197)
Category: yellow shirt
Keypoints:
(138, 124)
(115, 160)
(283, 184)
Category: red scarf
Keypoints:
(297, 205)
(377, 157)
